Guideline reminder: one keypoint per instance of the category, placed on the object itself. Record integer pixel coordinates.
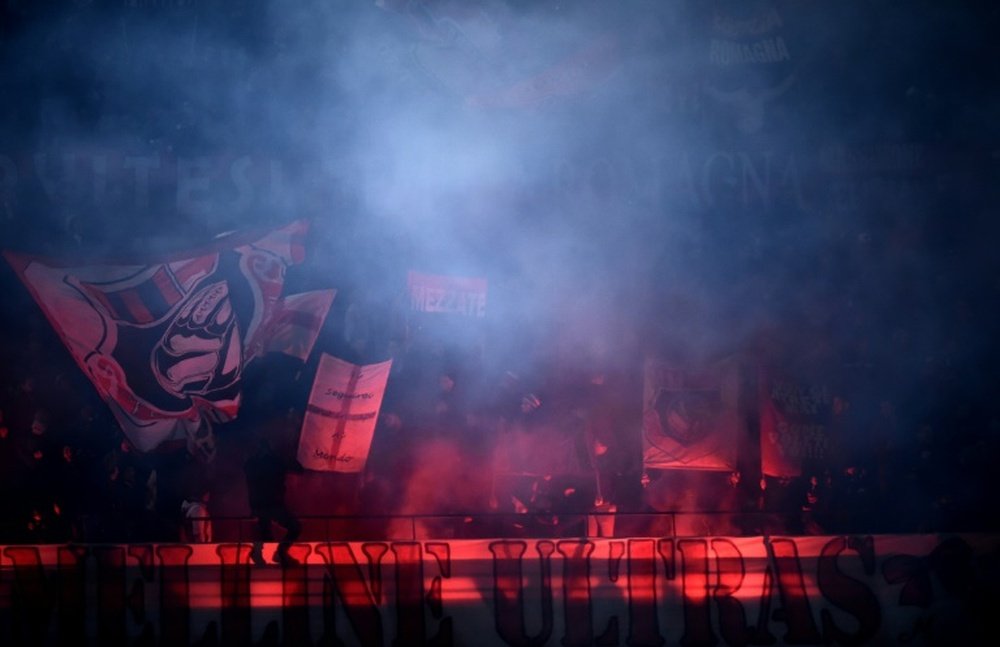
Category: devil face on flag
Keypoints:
(166, 343)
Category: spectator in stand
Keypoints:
(509, 488)
(923, 476)
(37, 447)
(94, 432)
(730, 500)
(106, 511)
(602, 524)
(24, 404)
(883, 434)
(857, 502)
(39, 460)
(815, 506)
(41, 526)
(197, 523)
(840, 429)
(132, 497)
(449, 419)
(607, 455)
(127, 481)
(9, 479)
(782, 498)
(69, 490)
(265, 472)
(4, 429)
(126, 457)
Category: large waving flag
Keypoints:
(166, 342)
(691, 417)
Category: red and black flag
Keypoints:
(166, 342)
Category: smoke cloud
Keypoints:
(813, 181)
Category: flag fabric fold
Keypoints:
(297, 322)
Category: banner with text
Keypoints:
(572, 592)
(447, 294)
(340, 420)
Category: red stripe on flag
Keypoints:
(166, 286)
(136, 308)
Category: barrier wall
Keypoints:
(859, 590)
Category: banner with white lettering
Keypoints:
(569, 592)
(340, 420)
(691, 417)
(460, 295)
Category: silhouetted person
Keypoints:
(197, 526)
(265, 472)
(10, 477)
(23, 406)
(39, 458)
(68, 493)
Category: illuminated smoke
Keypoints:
(623, 186)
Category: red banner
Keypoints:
(859, 590)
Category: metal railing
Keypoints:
(414, 527)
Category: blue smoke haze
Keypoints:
(812, 179)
